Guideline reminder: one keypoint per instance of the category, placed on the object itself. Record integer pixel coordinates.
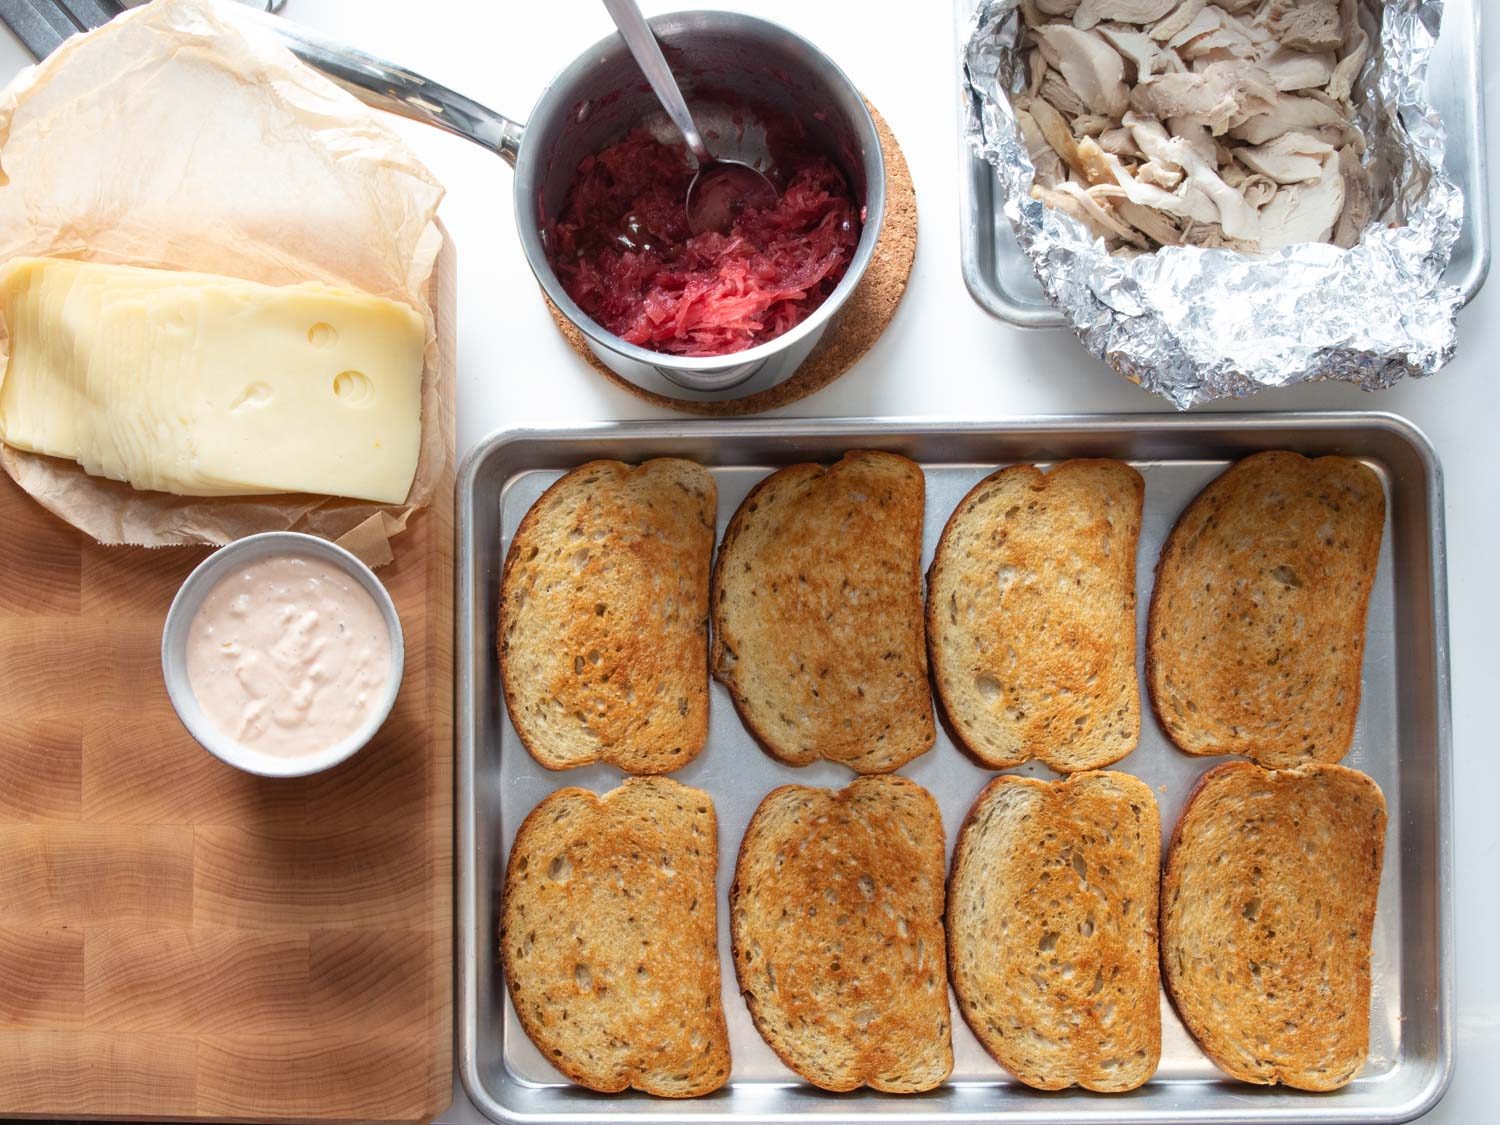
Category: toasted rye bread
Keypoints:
(1267, 907)
(1031, 616)
(1052, 929)
(817, 610)
(609, 937)
(604, 617)
(1257, 626)
(836, 915)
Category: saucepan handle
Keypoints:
(395, 89)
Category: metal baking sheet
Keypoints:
(1402, 740)
(1000, 278)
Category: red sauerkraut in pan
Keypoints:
(623, 251)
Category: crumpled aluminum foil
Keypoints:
(1196, 325)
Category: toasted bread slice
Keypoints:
(604, 617)
(817, 610)
(1052, 929)
(836, 915)
(1267, 908)
(609, 937)
(1257, 626)
(1031, 616)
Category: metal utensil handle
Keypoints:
(647, 51)
(387, 86)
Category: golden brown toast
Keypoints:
(604, 617)
(1267, 910)
(1052, 929)
(1031, 616)
(1256, 632)
(817, 611)
(836, 914)
(609, 937)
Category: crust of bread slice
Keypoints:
(603, 632)
(1031, 616)
(609, 938)
(1052, 929)
(1256, 632)
(817, 611)
(1267, 912)
(836, 917)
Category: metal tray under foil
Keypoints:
(1402, 740)
(1000, 278)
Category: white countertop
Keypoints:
(942, 355)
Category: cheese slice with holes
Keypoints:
(202, 385)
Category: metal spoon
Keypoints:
(721, 189)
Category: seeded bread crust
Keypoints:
(1031, 616)
(836, 916)
(609, 938)
(603, 632)
(1267, 912)
(1256, 633)
(817, 611)
(1052, 907)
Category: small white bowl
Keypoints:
(209, 573)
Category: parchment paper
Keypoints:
(179, 137)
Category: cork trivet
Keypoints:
(849, 335)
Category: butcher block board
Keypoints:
(182, 940)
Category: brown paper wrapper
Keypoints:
(177, 136)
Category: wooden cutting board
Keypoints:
(179, 939)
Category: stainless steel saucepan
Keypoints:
(724, 62)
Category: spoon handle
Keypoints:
(386, 86)
(647, 51)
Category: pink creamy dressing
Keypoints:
(288, 655)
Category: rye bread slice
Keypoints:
(1267, 911)
(604, 617)
(817, 611)
(1052, 929)
(609, 937)
(836, 915)
(1031, 616)
(1256, 632)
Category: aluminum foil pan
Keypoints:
(1195, 325)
